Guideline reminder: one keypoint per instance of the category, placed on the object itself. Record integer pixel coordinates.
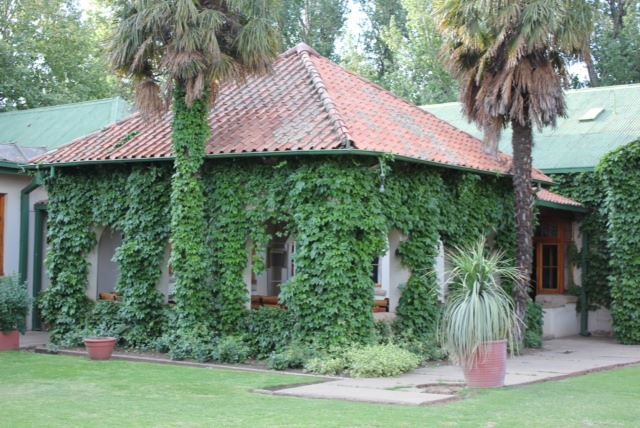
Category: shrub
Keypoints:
(196, 344)
(293, 357)
(328, 365)
(104, 321)
(534, 320)
(380, 361)
(268, 331)
(14, 304)
(231, 349)
(426, 347)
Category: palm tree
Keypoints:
(187, 49)
(510, 58)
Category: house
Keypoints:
(599, 120)
(26, 134)
(314, 177)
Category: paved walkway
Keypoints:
(559, 358)
(33, 339)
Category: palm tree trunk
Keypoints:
(522, 142)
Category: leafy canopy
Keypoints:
(197, 44)
(509, 56)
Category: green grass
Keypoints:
(57, 391)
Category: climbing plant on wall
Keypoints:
(586, 188)
(190, 136)
(338, 210)
(620, 174)
(130, 200)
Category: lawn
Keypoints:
(59, 391)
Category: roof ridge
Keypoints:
(327, 102)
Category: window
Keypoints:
(552, 239)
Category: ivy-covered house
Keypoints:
(600, 121)
(26, 134)
(325, 195)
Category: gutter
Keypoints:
(24, 227)
(327, 152)
(561, 207)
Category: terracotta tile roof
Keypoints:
(548, 196)
(307, 103)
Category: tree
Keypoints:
(509, 57)
(192, 47)
(381, 14)
(400, 51)
(616, 42)
(418, 74)
(317, 23)
(50, 54)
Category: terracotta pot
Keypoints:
(490, 366)
(100, 348)
(9, 341)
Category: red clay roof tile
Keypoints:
(306, 103)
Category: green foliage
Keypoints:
(231, 349)
(616, 41)
(317, 23)
(292, 357)
(365, 361)
(326, 365)
(333, 208)
(14, 304)
(190, 136)
(478, 309)
(587, 188)
(620, 174)
(268, 330)
(533, 322)
(51, 54)
(145, 231)
(132, 200)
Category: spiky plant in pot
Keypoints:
(479, 318)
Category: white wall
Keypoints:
(561, 319)
(11, 185)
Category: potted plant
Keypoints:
(14, 307)
(101, 338)
(479, 320)
(100, 347)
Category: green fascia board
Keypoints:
(52, 127)
(561, 207)
(573, 146)
(334, 152)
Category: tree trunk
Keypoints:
(591, 70)
(522, 142)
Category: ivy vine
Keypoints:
(339, 210)
(620, 174)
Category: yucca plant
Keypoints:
(478, 309)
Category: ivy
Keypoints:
(146, 231)
(131, 200)
(338, 210)
(189, 137)
(620, 174)
(587, 188)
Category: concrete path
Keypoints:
(559, 358)
(33, 339)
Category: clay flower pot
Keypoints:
(9, 341)
(490, 366)
(100, 348)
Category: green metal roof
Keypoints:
(574, 145)
(51, 127)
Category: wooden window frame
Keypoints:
(562, 242)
